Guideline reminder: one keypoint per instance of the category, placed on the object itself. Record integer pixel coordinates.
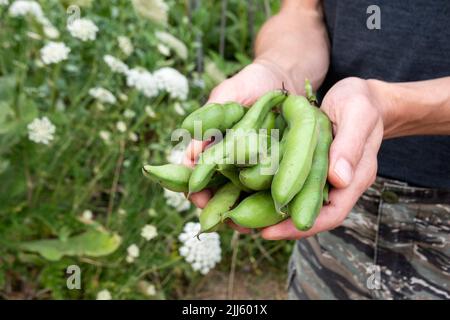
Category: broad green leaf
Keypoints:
(93, 243)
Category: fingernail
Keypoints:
(344, 171)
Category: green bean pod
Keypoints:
(259, 177)
(305, 206)
(255, 211)
(214, 116)
(222, 201)
(301, 140)
(174, 177)
(269, 122)
(232, 173)
(252, 120)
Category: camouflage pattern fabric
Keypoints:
(395, 244)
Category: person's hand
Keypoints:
(353, 106)
(245, 87)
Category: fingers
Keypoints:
(341, 201)
(201, 198)
(238, 228)
(355, 124)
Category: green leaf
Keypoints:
(93, 243)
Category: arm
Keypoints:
(414, 108)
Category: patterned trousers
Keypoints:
(395, 244)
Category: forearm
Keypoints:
(414, 108)
(296, 42)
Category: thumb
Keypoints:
(348, 147)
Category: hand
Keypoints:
(353, 106)
(245, 87)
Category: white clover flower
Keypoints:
(54, 52)
(105, 136)
(163, 49)
(133, 137)
(128, 113)
(125, 45)
(4, 2)
(202, 253)
(176, 155)
(103, 95)
(83, 29)
(149, 232)
(173, 82)
(143, 81)
(116, 65)
(173, 43)
(133, 253)
(176, 200)
(121, 126)
(87, 215)
(149, 111)
(179, 109)
(22, 8)
(41, 130)
(104, 295)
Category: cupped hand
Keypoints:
(354, 107)
(245, 87)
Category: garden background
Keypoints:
(89, 92)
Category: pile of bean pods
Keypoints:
(243, 191)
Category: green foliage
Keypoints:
(45, 189)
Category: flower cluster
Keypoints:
(83, 29)
(104, 295)
(125, 45)
(203, 252)
(176, 200)
(116, 65)
(54, 52)
(143, 81)
(41, 130)
(133, 253)
(149, 232)
(173, 82)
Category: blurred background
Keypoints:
(89, 92)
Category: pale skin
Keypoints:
(292, 46)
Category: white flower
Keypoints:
(41, 130)
(204, 252)
(125, 45)
(105, 136)
(22, 8)
(173, 82)
(149, 232)
(151, 290)
(150, 112)
(152, 212)
(163, 49)
(54, 52)
(173, 43)
(121, 126)
(121, 212)
(115, 64)
(154, 10)
(4, 2)
(83, 29)
(104, 295)
(102, 95)
(87, 215)
(176, 156)
(128, 113)
(176, 200)
(133, 253)
(133, 137)
(143, 81)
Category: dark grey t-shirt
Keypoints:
(413, 44)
